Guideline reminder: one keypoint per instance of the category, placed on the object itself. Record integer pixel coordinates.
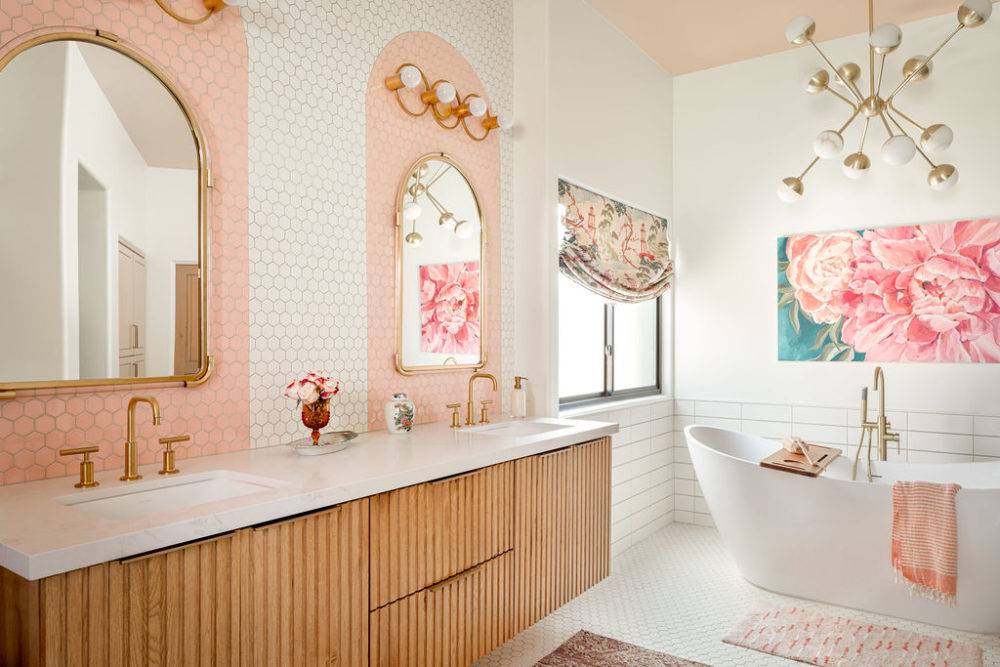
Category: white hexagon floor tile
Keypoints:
(678, 591)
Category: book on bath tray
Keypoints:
(799, 457)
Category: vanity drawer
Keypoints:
(453, 622)
(423, 534)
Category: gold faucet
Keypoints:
(469, 412)
(131, 451)
(880, 427)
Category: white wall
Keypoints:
(739, 129)
(604, 109)
(30, 138)
(172, 233)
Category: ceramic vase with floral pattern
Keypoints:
(400, 414)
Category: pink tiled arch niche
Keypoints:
(395, 140)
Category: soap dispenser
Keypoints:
(518, 399)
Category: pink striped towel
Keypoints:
(925, 538)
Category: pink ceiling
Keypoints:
(689, 35)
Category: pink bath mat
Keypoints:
(811, 636)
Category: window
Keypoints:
(606, 350)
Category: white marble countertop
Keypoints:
(41, 536)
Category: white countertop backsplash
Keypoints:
(40, 536)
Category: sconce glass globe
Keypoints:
(504, 121)
(410, 76)
(942, 177)
(800, 29)
(885, 38)
(463, 229)
(411, 211)
(856, 165)
(898, 150)
(790, 190)
(477, 107)
(974, 13)
(829, 144)
(936, 138)
(445, 92)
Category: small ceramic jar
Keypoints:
(400, 414)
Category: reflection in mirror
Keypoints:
(99, 179)
(440, 282)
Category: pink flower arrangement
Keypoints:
(915, 293)
(313, 387)
(449, 308)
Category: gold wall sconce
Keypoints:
(212, 7)
(447, 106)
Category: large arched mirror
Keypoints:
(102, 180)
(440, 276)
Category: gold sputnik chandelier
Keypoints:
(899, 148)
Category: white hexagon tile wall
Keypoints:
(309, 66)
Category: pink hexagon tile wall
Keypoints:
(209, 64)
(395, 140)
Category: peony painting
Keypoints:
(449, 308)
(920, 293)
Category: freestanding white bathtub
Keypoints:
(828, 538)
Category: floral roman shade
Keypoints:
(614, 250)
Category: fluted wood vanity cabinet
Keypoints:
(439, 573)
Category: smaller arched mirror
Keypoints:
(102, 184)
(440, 273)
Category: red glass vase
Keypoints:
(316, 416)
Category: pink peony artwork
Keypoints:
(919, 293)
(449, 308)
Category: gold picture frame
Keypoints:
(401, 368)
(8, 390)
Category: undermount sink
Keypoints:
(518, 429)
(138, 499)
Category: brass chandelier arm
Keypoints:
(906, 118)
(850, 120)
(845, 83)
(834, 92)
(885, 122)
(807, 169)
(881, 71)
(184, 19)
(871, 49)
(904, 82)
(864, 135)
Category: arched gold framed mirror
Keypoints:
(104, 170)
(440, 269)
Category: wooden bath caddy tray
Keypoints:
(797, 463)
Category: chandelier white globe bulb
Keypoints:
(410, 76)
(898, 150)
(974, 13)
(790, 190)
(829, 144)
(818, 82)
(942, 177)
(477, 107)
(856, 165)
(917, 68)
(411, 211)
(936, 138)
(463, 229)
(885, 38)
(800, 29)
(445, 92)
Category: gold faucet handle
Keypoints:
(169, 456)
(86, 465)
(169, 442)
(484, 412)
(456, 421)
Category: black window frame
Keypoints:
(609, 394)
